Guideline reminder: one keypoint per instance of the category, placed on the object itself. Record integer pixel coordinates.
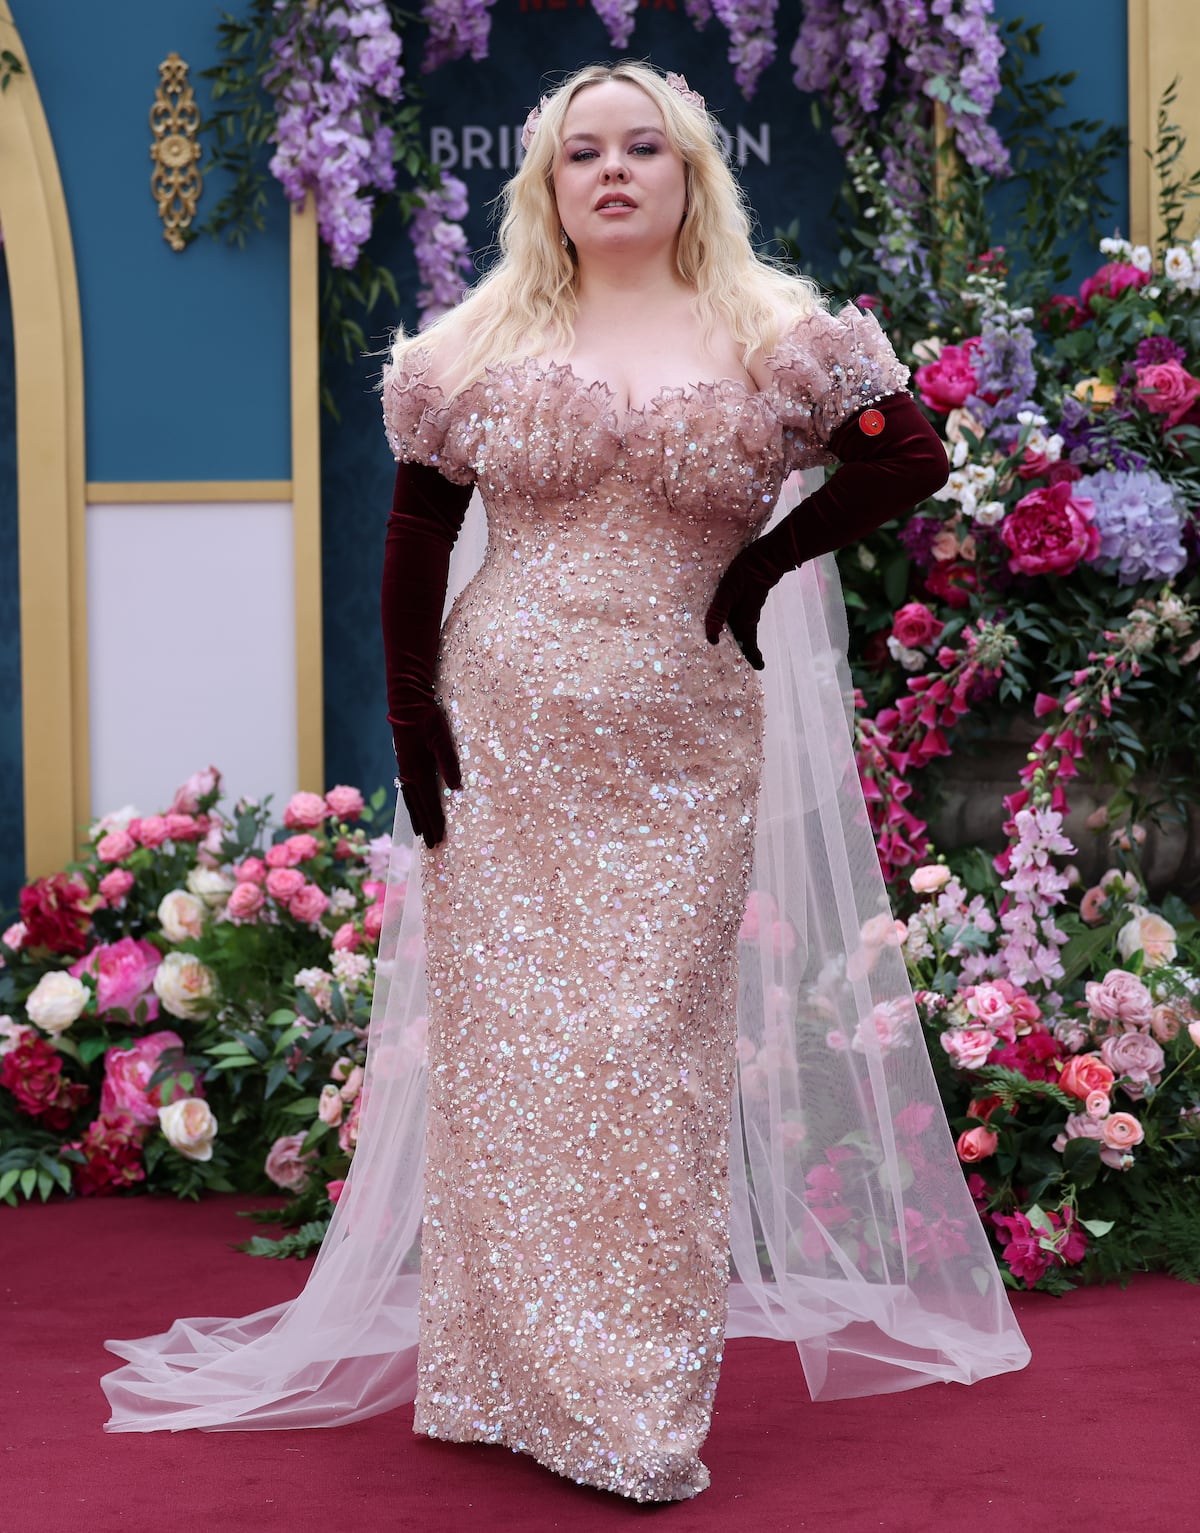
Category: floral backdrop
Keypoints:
(185, 1007)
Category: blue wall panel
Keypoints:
(185, 355)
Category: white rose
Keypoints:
(211, 886)
(189, 1127)
(181, 915)
(56, 1001)
(1177, 264)
(1142, 257)
(185, 986)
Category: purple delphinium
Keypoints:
(751, 27)
(1087, 444)
(457, 29)
(443, 255)
(1003, 366)
(1139, 523)
(333, 69)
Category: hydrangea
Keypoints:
(1139, 521)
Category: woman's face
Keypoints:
(620, 186)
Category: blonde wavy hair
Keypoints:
(525, 305)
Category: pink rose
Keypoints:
(968, 1047)
(284, 884)
(1111, 281)
(948, 382)
(305, 811)
(186, 827)
(352, 1085)
(282, 855)
(199, 785)
(286, 1166)
(116, 885)
(345, 803)
(115, 845)
(991, 1008)
(761, 911)
(915, 626)
(1091, 906)
(1167, 388)
(373, 923)
(1148, 934)
(1049, 531)
(346, 938)
(334, 1189)
(1121, 1131)
(303, 847)
(348, 1131)
(14, 936)
(245, 902)
(1194, 1033)
(124, 973)
(308, 904)
(151, 832)
(976, 1144)
(1084, 1073)
(1120, 997)
(1137, 1059)
(127, 1075)
(250, 871)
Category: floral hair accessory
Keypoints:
(531, 123)
(677, 83)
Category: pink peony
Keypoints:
(308, 904)
(124, 973)
(116, 885)
(915, 626)
(1167, 388)
(284, 884)
(286, 1166)
(948, 382)
(200, 785)
(373, 923)
(115, 845)
(1049, 531)
(305, 811)
(245, 902)
(345, 803)
(250, 871)
(1137, 1059)
(127, 1074)
(1120, 997)
(1111, 281)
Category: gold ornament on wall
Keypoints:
(175, 121)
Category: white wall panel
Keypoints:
(191, 637)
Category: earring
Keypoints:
(563, 240)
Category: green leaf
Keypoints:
(92, 1048)
(304, 1108)
(1098, 1227)
(28, 1181)
(276, 1075)
(9, 1180)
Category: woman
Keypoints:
(581, 749)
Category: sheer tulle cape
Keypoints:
(853, 1233)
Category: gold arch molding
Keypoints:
(48, 347)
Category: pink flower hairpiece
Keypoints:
(677, 83)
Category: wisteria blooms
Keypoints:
(751, 28)
(618, 17)
(332, 70)
(443, 254)
(457, 29)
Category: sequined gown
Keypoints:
(582, 913)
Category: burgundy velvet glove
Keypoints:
(427, 515)
(891, 458)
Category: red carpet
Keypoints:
(1100, 1430)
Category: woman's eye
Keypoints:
(582, 154)
(644, 149)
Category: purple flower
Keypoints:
(1152, 350)
(457, 28)
(618, 17)
(1139, 522)
(443, 254)
(751, 28)
(1003, 367)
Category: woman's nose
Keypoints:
(615, 169)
